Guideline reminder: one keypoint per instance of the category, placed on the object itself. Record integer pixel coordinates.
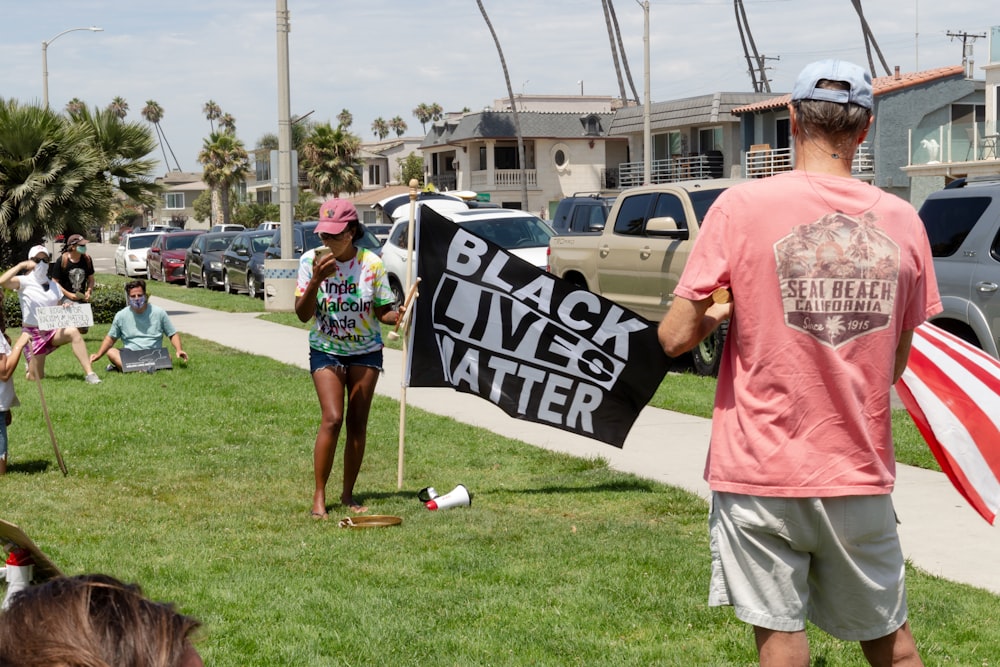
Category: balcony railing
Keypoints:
(503, 179)
(762, 162)
(953, 142)
(670, 170)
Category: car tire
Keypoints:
(252, 288)
(187, 277)
(226, 285)
(397, 292)
(163, 276)
(707, 355)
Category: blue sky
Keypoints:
(384, 57)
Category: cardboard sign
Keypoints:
(147, 361)
(77, 315)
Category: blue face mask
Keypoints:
(137, 303)
(82, 249)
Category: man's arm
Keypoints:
(179, 352)
(687, 323)
(106, 345)
(902, 354)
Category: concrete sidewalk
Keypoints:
(941, 534)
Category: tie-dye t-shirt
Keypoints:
(345, 322)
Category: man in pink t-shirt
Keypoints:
(828, 276)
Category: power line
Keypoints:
(968, 39)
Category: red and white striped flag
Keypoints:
(952, 391)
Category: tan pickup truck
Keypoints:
(637, 259)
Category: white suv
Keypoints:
(522, 234)
(963, 227)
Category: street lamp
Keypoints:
(45, 65)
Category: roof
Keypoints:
(699, 110)
(881, 85)
(369, 197)
(534, 124)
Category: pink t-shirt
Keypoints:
(826, 273)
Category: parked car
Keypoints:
(523, 234)
(165, 260)
(269, 224)
(203, 260)
(130, 256)
(380, 230)
(637, 259)
(582, 213)
(306, 239)
(227, 228)
(243, 263)
(963, 227)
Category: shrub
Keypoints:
(105, 301)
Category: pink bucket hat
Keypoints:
(334, 216)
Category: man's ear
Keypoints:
(864, 135)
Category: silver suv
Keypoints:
(963, 226)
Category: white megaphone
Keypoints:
(457, 497)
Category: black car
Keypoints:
(306, 239)
(203, 260)
(582, 214)
(243, 263)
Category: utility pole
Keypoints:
(968, 39)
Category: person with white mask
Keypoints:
(34, 289)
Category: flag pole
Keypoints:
(409, 286)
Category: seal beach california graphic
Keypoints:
(838, 277)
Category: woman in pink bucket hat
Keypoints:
(345, 290)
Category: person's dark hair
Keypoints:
(840, 124)
(91, 621)
(132, 284)
(359, 231)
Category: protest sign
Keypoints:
(77, 315)
(539, 347)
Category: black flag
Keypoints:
(489, 323)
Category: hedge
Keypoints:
(105, 301)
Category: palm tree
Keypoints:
(398, 125)
(380, 128)
(345, 118)
(437, 113)
(517, 119)
(153, 113)
(119, 107)
(226, 162)
(50, 178)
(213, 112)
(870, 41)
(614, 51)
(124, 148)
(621, 50)
(227, 123)
(74, 106)
(329, 159)
(423, 113)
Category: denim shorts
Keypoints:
(319, 359)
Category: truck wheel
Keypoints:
(707, 354)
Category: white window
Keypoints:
(174, 200)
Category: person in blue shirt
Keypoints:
(140, 326)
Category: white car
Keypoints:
(522, 234)
(130, 256)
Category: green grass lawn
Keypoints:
(196, 483)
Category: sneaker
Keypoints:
(111, 368)
(91, 378)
